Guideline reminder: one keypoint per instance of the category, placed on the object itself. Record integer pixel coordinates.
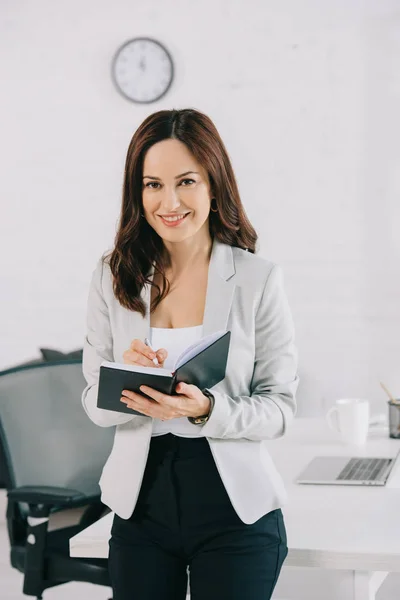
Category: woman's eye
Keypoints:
(154, 185)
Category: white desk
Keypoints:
(332, 527)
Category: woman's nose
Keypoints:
(170, 201)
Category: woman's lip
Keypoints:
(176, 215)
(174, 223)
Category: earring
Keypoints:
(211, 208)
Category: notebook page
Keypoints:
(137, 368)
(196, 348)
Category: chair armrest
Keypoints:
(51, 496)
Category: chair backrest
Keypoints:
(4, 474)
(47, 437)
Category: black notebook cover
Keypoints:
(203, 370)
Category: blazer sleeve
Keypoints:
(266, 413)
(98, 346)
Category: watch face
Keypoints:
(200, 420)
(142, 70)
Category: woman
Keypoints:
(191, 481)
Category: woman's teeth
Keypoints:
(173, 218)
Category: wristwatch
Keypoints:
(202, 420)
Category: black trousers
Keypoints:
(184, 519)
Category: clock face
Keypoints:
(142, 70)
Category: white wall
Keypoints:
(305, 95)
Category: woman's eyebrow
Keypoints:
(177, 177)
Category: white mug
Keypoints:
(351, 420)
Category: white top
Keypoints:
(175, 340)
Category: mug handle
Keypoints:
(333, 424)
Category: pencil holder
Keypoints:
(394, 418)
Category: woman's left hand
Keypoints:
(191, 402)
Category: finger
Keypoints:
(188, 389)
(155, 394)
(139, 359)
(173, 403)
(148, 408)
(128, 394)
(140, 347)
(144, 410)
(161, 356)
(134, 357)
(136, 399)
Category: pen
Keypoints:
(146, 341)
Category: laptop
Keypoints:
(342, 470)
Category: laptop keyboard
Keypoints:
(358, 469)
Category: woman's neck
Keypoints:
(187, 255)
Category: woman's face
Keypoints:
(175, 184)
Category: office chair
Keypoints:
(54, 456)
(2, 458)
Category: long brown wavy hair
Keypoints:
(136, 244)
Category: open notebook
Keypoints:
(203, 364)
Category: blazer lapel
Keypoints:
(220, 288)
(219, 296)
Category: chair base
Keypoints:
(59, 566)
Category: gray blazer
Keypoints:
(254, 403)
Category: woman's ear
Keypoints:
(211, 187)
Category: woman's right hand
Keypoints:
(141, 355)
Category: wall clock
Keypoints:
(142, 70)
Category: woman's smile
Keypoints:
(173, 221)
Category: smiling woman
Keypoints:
(176, 165)
(175, 201)
(188, 478)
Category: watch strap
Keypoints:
(203, 419)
